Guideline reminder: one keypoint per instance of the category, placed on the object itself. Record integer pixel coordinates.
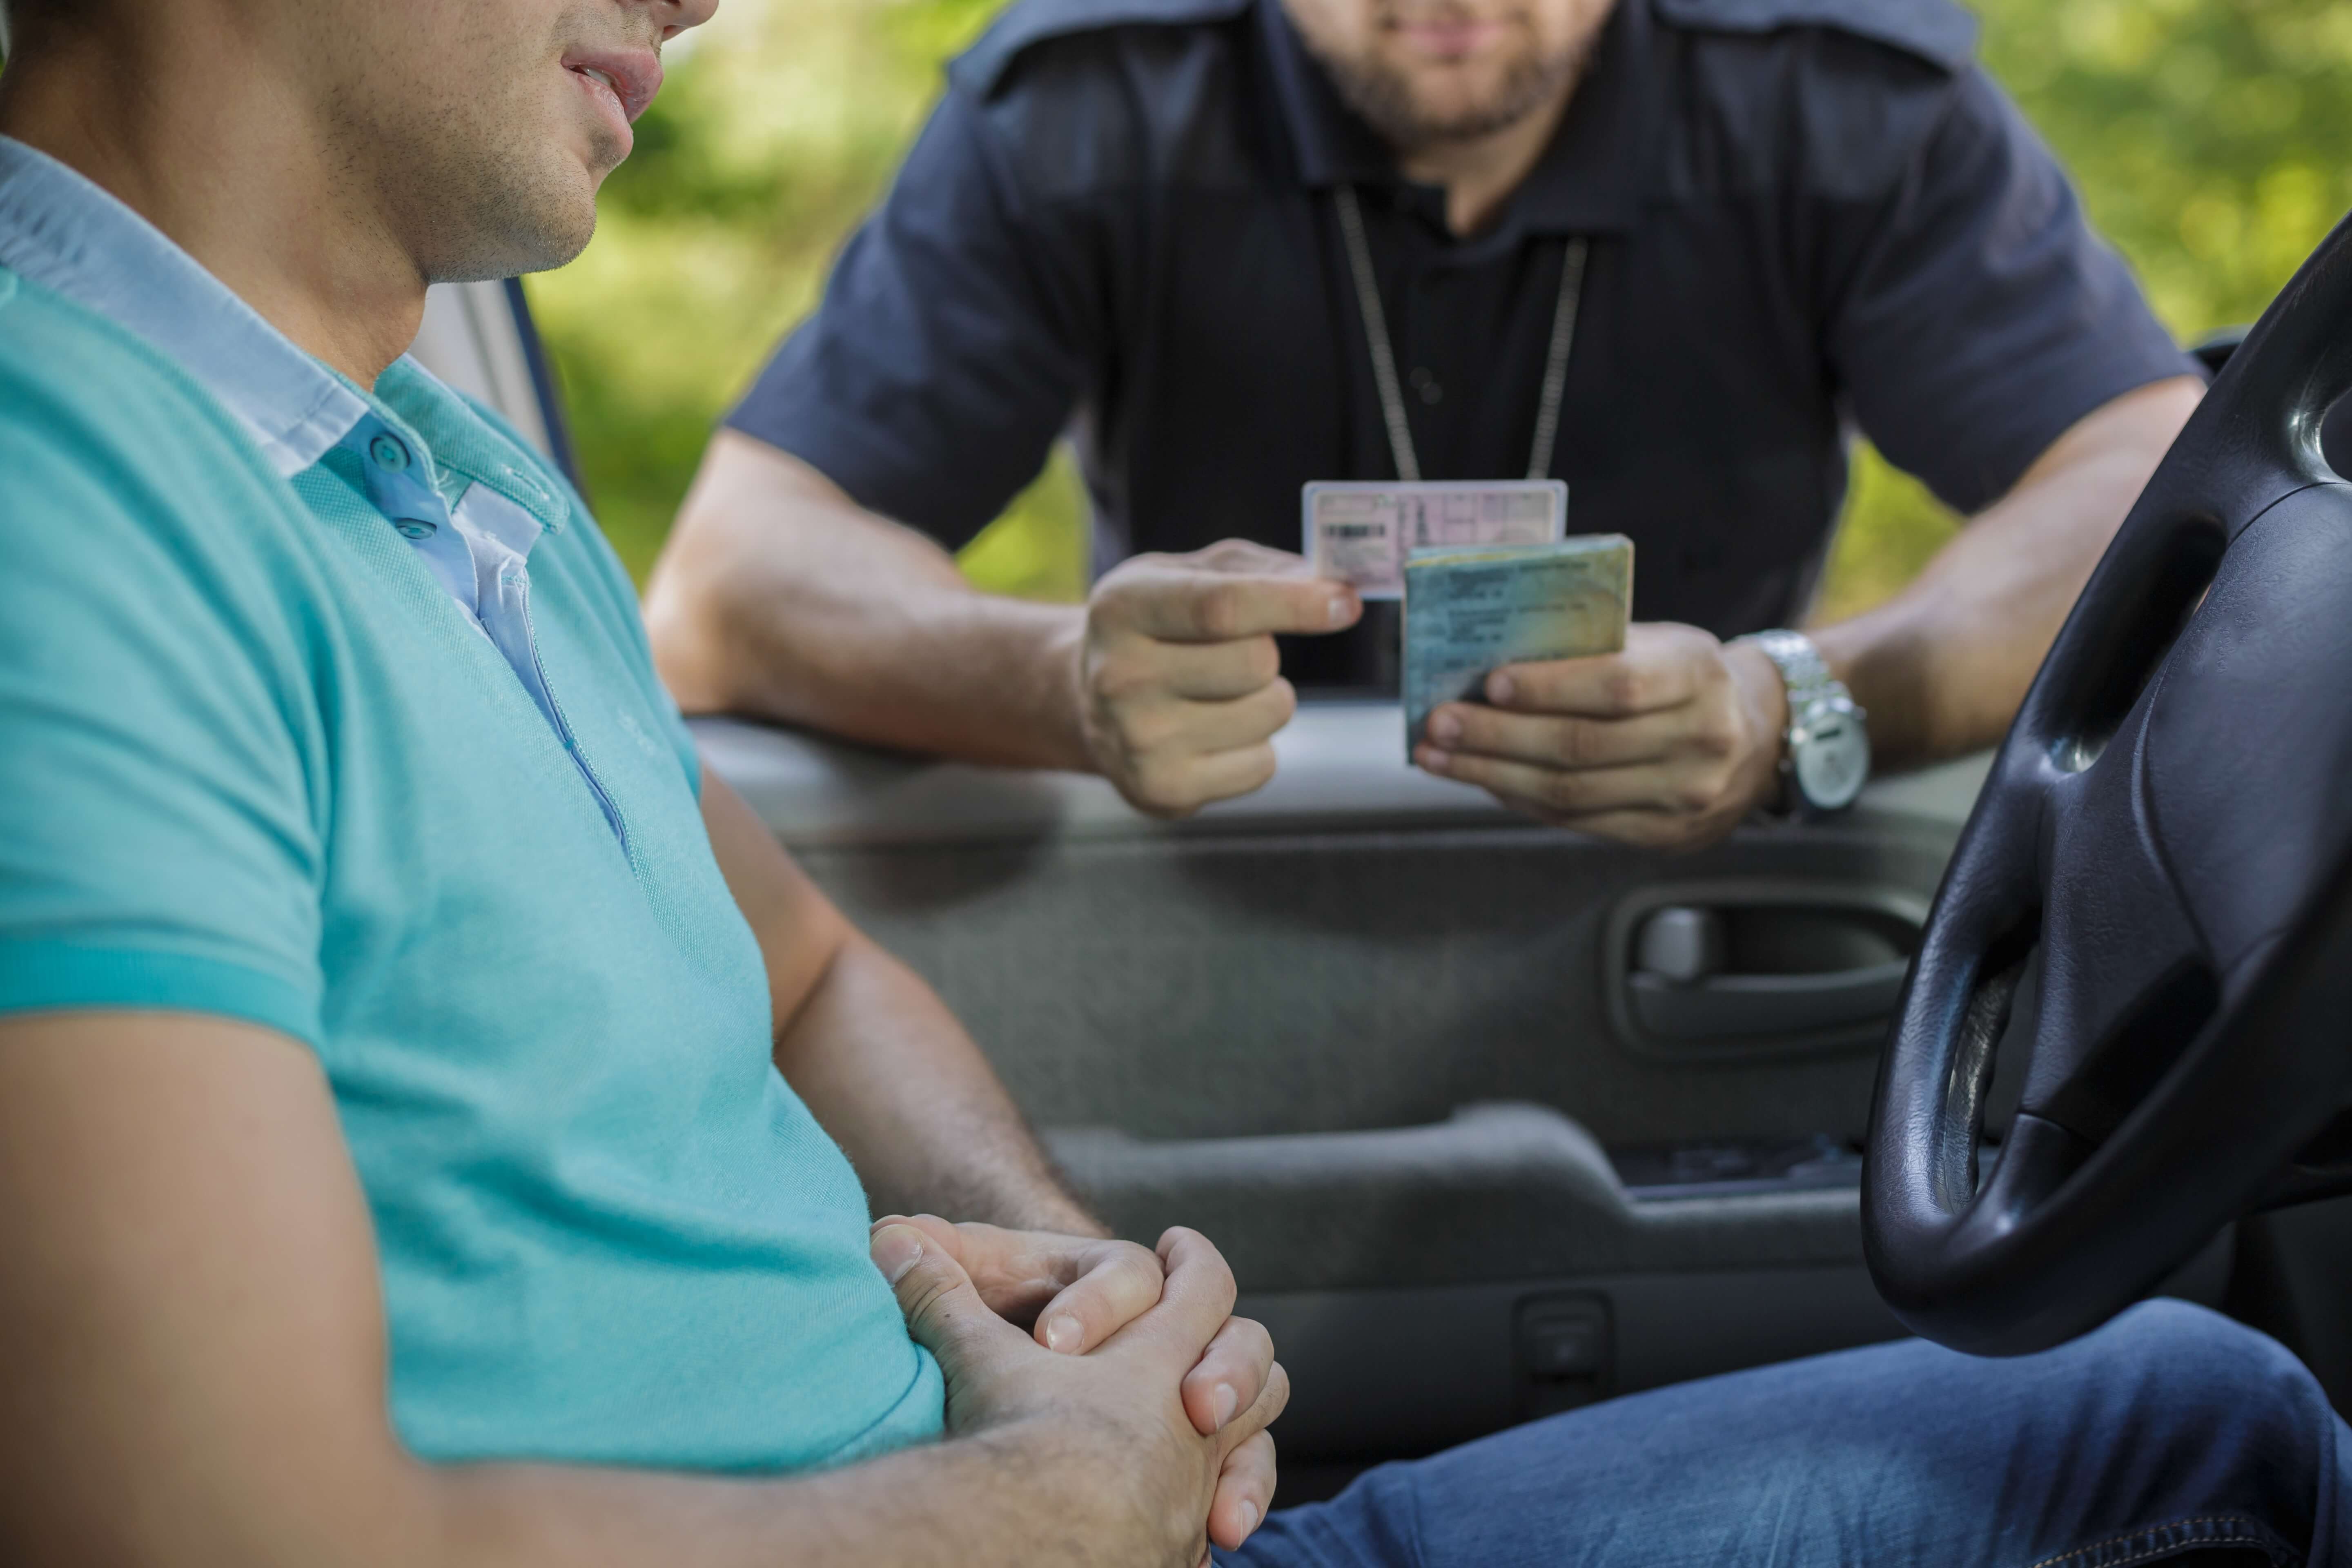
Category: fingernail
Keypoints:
(1249, 1517)
(1445, 729)
(1339, 609)
(896, 1250)
(1227, 1403)
(1500, 688)
(1064, 1332)
(1436, 761)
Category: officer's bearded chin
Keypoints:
(1424, 72)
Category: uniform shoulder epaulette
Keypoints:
(1028, 23)
(1940, 32)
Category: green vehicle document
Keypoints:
(1468, 612)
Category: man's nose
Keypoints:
(678, 15)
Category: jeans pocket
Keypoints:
(2203, 1535)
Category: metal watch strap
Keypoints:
(1805, 676)
(1803, 671)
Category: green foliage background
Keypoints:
(2210, 137)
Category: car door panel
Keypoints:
(1493, 1192)
(1389, 1374)
(1373, 1033)
(1298, 965)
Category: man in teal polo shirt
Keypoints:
(366, 933)
(438, 1122)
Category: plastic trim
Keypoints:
(1341, 768)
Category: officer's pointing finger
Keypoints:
(1215, 607)
(1245, 558)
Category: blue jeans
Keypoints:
(2171, 1431)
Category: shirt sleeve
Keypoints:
(946, 355)
(161, 847)
(1978, 316)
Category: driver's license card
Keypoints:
(1362, 533)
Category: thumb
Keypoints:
(944, 1313)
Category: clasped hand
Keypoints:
(1135, 1356)
(1666, 744)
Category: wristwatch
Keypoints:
(1826, 753)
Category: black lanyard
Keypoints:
(1384, 373)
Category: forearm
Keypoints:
(881, 1063)
(1037, 1494)
(1030, 1496)
(902, 1088)
(777, 596)
(1941, 666)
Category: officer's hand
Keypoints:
(1179, 689)
(1667, 745)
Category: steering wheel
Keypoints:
(2169, 823)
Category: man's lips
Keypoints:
(631, 76)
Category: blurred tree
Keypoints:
(2209, 137)
(778, 127)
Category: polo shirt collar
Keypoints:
(62, 231)
(1592, 178)
(66, 233)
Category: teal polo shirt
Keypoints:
(263, 756)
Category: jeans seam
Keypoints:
(2242, 1530)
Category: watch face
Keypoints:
(1832, 759)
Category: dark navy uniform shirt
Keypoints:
(1801, 215)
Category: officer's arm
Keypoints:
(1942, 666)
(778, 595)
(946, 353)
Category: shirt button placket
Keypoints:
(398, 493)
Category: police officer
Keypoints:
(1665, 250)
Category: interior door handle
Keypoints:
(1680, 990)
(1726, 1006)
